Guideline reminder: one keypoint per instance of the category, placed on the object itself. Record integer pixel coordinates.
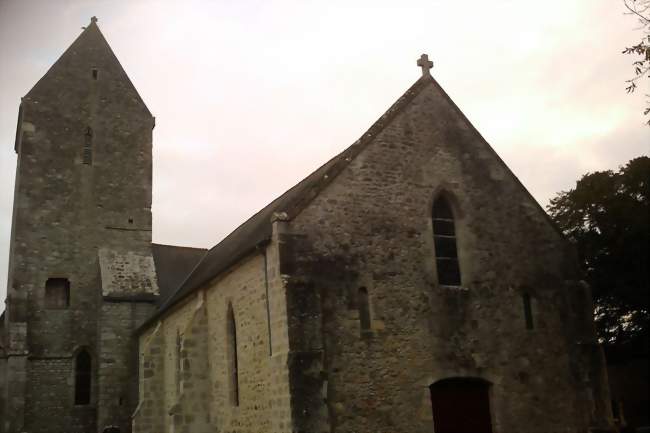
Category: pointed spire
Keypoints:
(88, 61)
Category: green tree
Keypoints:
(607, 217)
(640, 9)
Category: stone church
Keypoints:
(410, 284)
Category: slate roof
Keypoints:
(173, 265)
(257, 230)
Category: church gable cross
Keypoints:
(425, 64)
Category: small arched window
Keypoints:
(231, 344)
(364, 309)
(444, 239)
(83, 375)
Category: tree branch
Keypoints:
(636, 12)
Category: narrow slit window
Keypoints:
(88, 147)
(231, 344)
(179, 345)
(57, 293)
(528, 311)
(83, 375)
(444, 239)
(616, 410)
(364, 309)
(95, 73)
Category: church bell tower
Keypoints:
(81, 274)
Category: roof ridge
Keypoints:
(179, 246)
(343, 159)
(374, 129)
(466, 120)
(257, 228)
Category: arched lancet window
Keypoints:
(364, 309)
(179, 345)
(444, 237)
(83, 375)
(88, 147)
(231, 344)
(528, 311)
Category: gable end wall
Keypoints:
(371, 227)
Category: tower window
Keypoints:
(231, 344)
(444, 239)
(88, 147)
(95, 73)
(179, 345)
(528, 311)
(57, 293)
(83, 374)
(364, 309)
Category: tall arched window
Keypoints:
(83, 375)
(528, 311)
(179, 346)
(444, 239)
(88, 147)
(231, 344)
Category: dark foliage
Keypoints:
(607, 217)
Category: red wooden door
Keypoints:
(461, 406)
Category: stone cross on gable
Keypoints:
(425, 64)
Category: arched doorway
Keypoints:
(461, 405)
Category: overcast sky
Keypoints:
(251, 96)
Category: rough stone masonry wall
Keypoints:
(117, 371)
(64, 210)
(127, 274)
(372, 227)
(191, 414)
(174, 374)
(262, 355)
(149, 415)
